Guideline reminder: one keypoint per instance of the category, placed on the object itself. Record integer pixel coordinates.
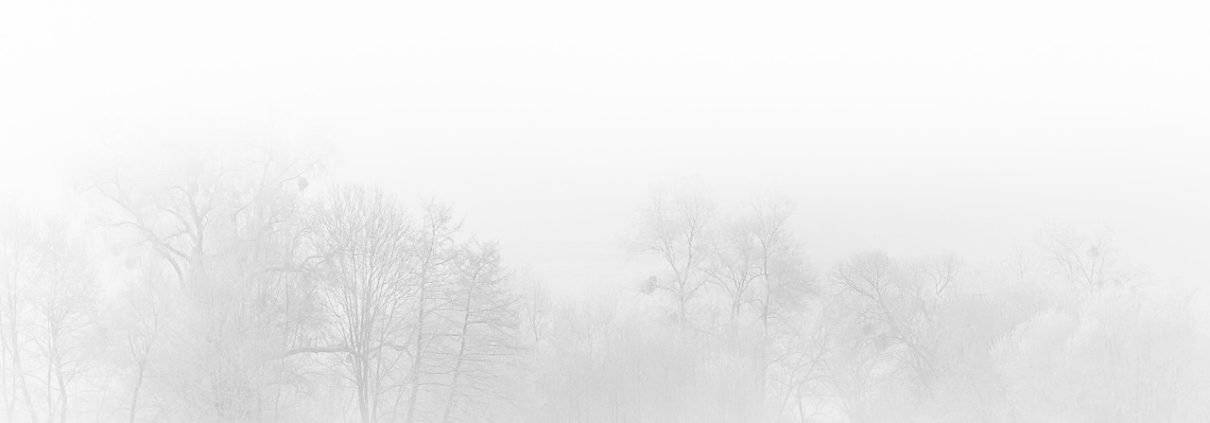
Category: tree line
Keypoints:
(255, 287)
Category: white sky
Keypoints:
(912, 126)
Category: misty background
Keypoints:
(918, 128)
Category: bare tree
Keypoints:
(434, 250)
(536, 308)
(485, 333)
(784, 278)
(139, 322)
(21, 266)
(225, 227)
(1089, 262)
(735, 266)
(367, 267)
(64, 308)
(774, 268)
(675, 227)
(49, 294)
(893, 313)
(799, 354)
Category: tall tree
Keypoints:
(735, 266)
(64, 300)
(367, 266)
(485, 334)
(675, 226)
(435, 250)
(139, 323)
(781, 263)
(21, 265)
(223, 226)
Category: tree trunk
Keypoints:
(681, 318)
(138, 384)
(50, 387)
(415, 373)
(419, 360)
(62, 392)
(14, 342)
(363, 396)
(466, 318)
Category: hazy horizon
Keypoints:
(917, 129)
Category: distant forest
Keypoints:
(254, 286)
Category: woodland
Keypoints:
(255, 286)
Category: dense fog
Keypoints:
(250, 283)
(628, 211)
